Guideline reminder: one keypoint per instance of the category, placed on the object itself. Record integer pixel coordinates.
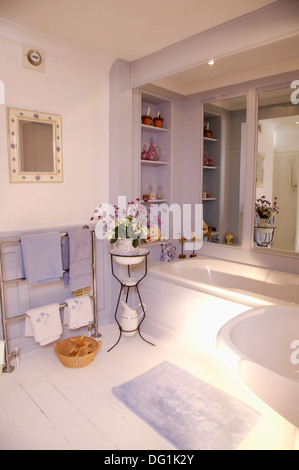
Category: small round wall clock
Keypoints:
(34, 57)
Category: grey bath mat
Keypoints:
(188, 412)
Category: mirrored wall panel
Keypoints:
(277, 205)
(223, 168)
(35, 146)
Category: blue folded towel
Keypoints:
(80, 271)
(42, 257)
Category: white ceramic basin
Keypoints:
(264, 345)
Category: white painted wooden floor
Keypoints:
(44, 405)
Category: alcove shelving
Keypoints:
(211, 174)
(156, 174)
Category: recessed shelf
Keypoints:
(208, 139)
(209, 198)
(154, 162)
(205, 167)
(144, 127)
(154, 201)
(155, 175)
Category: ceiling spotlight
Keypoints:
(211, 62)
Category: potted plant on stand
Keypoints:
(265, 211)
(264, 227)
(125, 227)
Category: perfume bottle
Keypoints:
(210, 161)
(144, 153)
(158, 151)
(150, 192)
(205, 159)
(159, 193)
(152, 154)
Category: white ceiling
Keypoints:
(273, 58)
(134, 29)
(126, 29)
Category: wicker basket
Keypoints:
(63, 348)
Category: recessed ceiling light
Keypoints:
(211, 62)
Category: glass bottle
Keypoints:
(205, 159)
(159, 193)
(158, 151)
(144, 153)
(152, 154)
(150, 192)
(210, 161)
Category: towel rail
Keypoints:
(24, 315)
(3, 283)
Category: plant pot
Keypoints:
(264, 222)
(146, 120)
(207, 133)
(124, 247)
(158, 122)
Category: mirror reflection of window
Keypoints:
(223, 182)
(36, 142)
(278, 139)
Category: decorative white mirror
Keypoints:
(35, 146)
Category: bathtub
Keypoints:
(250, 285)
(263, 344)
(195, 297)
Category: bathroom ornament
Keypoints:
(229, 238)
(167, 252)
(159, 193)
(193, 254)
(182, 239)
(147, 118)
(158, 121)
(144, 153)
(130, 319)
(207, 131)
(152, 153)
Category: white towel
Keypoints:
(44, 324)
(78, 312)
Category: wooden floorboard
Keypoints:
(46, 406)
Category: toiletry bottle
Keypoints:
(152, 154)
(159, 193)
(210, 161)
(144, 153)
(150, 192)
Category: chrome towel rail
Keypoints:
(3, 283)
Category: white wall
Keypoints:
(76, 86)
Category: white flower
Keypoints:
(110, 234)
(123, 221)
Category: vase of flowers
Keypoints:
(265, 210)
(123, 228)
